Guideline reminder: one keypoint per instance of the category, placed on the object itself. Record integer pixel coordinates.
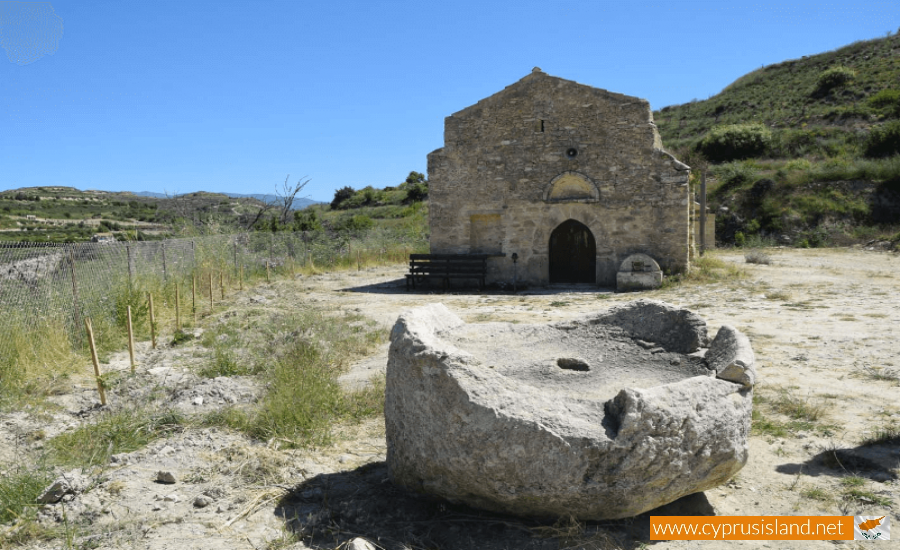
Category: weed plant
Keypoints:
(111, 433)
(299, 359)
(20, 487)
(706, 269)
(39, 358)
(757, 257)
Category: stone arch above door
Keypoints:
(571, 187)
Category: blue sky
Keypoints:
(234, 96)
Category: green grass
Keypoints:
(19, 489)
(867, 497)
(707, 269)
(852, 481)
(111, 433)
(798, 408)
(224, 362)
(884, 435)
(38, 361)
(299, 358)
(802, 414)
(816, 494)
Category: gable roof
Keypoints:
(536, 76)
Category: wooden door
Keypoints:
(573, 254)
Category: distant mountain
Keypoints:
(299, 203)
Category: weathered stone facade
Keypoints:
(573, 179)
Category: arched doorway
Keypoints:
(573, 254)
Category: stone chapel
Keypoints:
(571, 179)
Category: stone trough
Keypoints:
(603, 417)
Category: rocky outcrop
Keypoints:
(495, 416)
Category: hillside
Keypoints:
(66, 214)
(299, 203)
(802, 152)
(811, 113)
(402, 208)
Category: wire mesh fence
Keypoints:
(60, 284)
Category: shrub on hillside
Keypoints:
(355, 224)
(306, 220)
(340, 195)
(735, 141)
(889, 100)
(834, 77)
(884, 141)
(417, 192)
(733, 175)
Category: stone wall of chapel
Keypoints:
(501, 155)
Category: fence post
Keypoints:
(152, 321)
(210, 292)
(222, 283)
(130, 264)
(90, 333)
(702, 212)
(235, 253)
(165, 272)
(177, 309)
(194, 296)
(76, 304)
(130, 340)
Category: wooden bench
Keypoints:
(446, 267)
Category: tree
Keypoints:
(287, 195)
(416, 187)
(283, 201)
(415, 177)
(340, 195)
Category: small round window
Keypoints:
(572, 152)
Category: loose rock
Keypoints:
(164, 476)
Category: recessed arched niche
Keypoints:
(571, 187)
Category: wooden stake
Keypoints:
(76, 305)
(267, 271)
(90, 333)
(702, 212)
(152, 322)
(210, 292)
(222, 283)
(130, 340)
(177, 309)
(242, 277)
(194, 296)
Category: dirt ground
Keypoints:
(822, 322)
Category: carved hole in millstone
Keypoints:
(570, 363)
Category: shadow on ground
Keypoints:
(877, 461)
(398, 286)
(331, 509)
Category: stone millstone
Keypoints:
(489, 416)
